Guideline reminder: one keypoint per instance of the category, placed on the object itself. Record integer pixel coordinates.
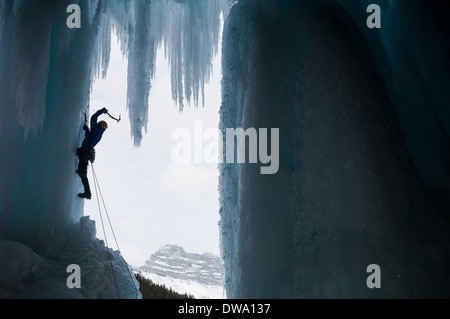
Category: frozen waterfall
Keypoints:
(46, 71)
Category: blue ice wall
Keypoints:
(46, 73)
(412, 53)
(364, 177)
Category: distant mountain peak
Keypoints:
(173, 261)
(172, 249)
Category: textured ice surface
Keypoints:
(364, 149)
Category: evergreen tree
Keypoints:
(150, 290)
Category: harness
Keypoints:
(87, 152)
(90, 153)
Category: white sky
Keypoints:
(151, 200)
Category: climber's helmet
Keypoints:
(103, 124)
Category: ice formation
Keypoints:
(363, 118)
(364, 149)
(46, 71)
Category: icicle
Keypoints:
(189, 32)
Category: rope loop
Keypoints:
(97, 192)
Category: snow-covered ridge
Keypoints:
(201, 275)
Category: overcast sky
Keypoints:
(151, 200)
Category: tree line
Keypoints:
(150, 290)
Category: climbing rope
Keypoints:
(97, 192)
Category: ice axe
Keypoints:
(115, 119)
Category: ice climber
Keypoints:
(86, 152)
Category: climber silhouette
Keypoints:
(86, 153)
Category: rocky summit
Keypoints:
(201, 275)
